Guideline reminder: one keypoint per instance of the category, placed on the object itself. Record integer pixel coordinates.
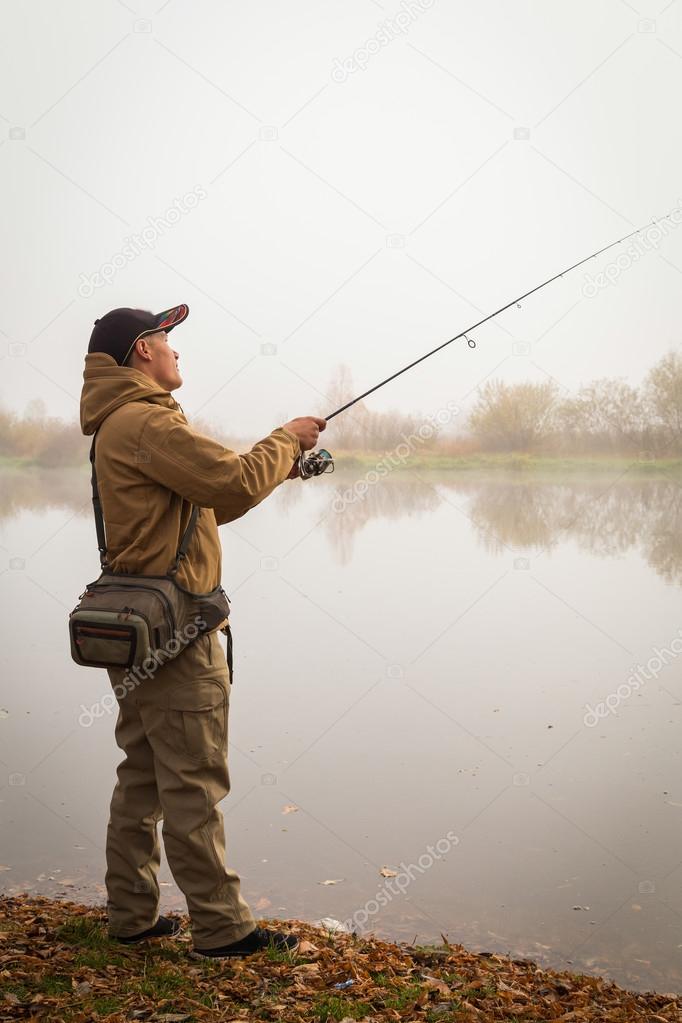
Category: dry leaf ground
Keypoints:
(57, 965)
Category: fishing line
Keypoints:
(486, 319)
(318, 462)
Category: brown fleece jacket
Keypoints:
(152, 466)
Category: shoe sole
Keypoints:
(193, 954)
(152, 937)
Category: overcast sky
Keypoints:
(352, 181)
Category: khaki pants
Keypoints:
(172, 728)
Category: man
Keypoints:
(151, 468)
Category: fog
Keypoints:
(455, 646)
(347, 186)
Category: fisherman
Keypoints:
(172, 726)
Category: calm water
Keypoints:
(415, 664)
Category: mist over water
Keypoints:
(416, 662)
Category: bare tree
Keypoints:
(514, 417)
(349, 430)
(663, 390)
(362, 429)
(606, 415)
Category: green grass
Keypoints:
(20, 991)
(163, 982)
(83, 932)
(98, 959)
(403, 997)
(105, 1005)
(454, 1015)
(381, 978)
(335, 1007)
(55, 985)
(281, 955)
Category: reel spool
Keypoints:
(315, 464)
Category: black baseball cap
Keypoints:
(117, 331)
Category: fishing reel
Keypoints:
(315, 464)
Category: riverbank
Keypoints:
(391, 461)
(511, 462)
(57, 964)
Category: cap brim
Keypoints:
(164, 321)
(171, 317)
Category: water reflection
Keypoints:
(40, 489)
(499, 699)
(390, 499)
(603, 519)
(606, 516)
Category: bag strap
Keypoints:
(97, 509)
(99, 522)
(184, 542)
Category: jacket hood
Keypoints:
(107, 386)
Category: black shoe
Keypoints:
(165, 927)
(259, 939)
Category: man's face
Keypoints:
(162, 361)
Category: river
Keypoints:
(456, 697)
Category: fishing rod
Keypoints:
(319, 462)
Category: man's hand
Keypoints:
(307, 429)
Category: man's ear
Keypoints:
(143, 349)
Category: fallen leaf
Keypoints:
(437, 985)
(307, 970)
(333, 880)
(306, 947)
(388, 872)
(290, 808)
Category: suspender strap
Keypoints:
(99, 522)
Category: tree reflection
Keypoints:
(606, 516)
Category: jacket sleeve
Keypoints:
(204, 472)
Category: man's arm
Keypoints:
(204, 472)
(234, 506)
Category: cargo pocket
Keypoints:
(196, 715)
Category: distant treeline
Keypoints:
(39, 439)
(605, 417)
